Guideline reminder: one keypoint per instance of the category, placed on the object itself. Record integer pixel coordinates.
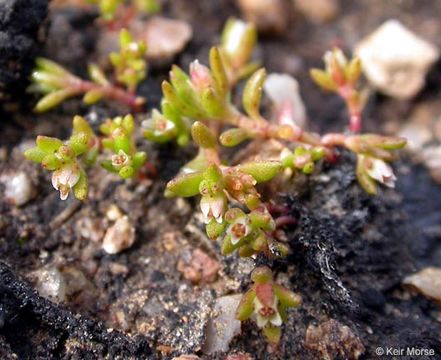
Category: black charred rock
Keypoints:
(20, 35)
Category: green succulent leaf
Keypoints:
(185, 185)
(261, 171)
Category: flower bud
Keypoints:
(200, 76)
(238, 41)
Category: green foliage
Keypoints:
(65, 159)
(126, 160)
(267, 302)
(109, 8)
(58, 84)
(129, 63)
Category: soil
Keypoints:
(349, 251)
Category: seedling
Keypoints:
(65, 159)
(124, 10)
(126, 160)
(58, 84)
(267, 303)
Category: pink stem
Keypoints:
(285, 220)
(112, 93)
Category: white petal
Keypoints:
(55, 182)
(261, 320)
(382, 172)
(73, 178)
(276, 319)
(217, 207)
(205, 208)
(64, 192)
(234, 239)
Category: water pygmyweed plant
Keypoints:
(125, 159)
(123, 10)
(199, 106)
(57, 84)
(341, 76)
(66, 159)
(267, 302)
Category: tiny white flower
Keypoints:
(120, 159)
(379, 170)
(213, 207)
(265, 314)
(239, 229)
(200, 75)
(65, 179)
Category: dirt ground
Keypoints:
(349, 252)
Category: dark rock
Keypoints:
(20, 21)
(33, 324)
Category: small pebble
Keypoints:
(119, 236)
(50, 283)
(395, 60)
(333, 340)
(318, 11)
(270, 16)
(432, 160)
(19, 188)
(283, 90)
(427, 282)
(200, 269)
(223, 326)
(165, 38)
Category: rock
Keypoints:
(187, 357)
(427, 282)
(283, 90)
(90, 228)
(19, 188)
(318, 11)
(20, 36)
(239, 356)
(222, 327)
(113, 213)
(417, 135)
(432, 159)
(164, 37)
(200, 269)
(50, 283)
(270, 16)
(118, 269)
(395, 60)
(75, 280)
(333, 340)
(119, 236)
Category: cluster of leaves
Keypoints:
(109, 8)
(68, 159)
(58, 84)
(199, 105)
(267, 301)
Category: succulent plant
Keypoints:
(57, 84)
(199, 106)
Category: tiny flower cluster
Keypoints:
(267, 302)
(110, 8)
(64, 158)
(67, 160)
(341, 76)
(58, 84)
(126, 160)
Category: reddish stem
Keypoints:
(285, 220)
(110, 92)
